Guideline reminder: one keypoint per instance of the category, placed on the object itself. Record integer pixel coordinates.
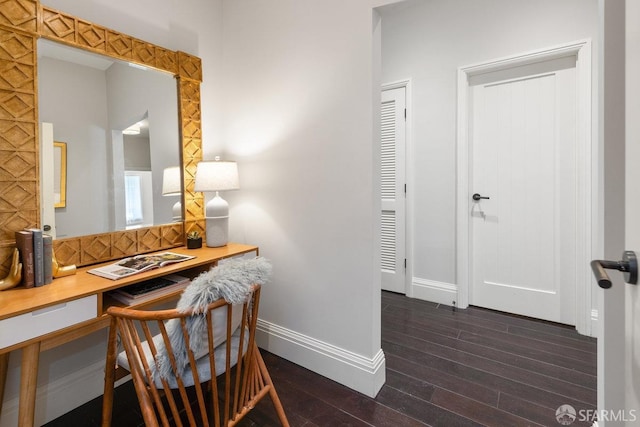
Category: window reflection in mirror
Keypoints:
(90, 100)
(138, 180)
(138, 200)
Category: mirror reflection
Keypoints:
(120, 125)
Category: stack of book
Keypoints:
(150, 289)
(36, 256)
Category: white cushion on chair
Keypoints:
(204, 371)
(219, 322)
(232, 281)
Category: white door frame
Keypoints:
(408, 273)
(585, 153)
(47, 200)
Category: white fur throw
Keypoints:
(230, 280)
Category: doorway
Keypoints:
(526, 248)
(393, 187)
(522, 146)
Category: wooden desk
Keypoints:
(75, 306)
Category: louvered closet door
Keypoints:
(392, 191)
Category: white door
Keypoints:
(619, 306)
(523, 150)
(392, 190)
(632, 234)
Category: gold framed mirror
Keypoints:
(22, 23)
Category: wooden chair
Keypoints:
(170, 394)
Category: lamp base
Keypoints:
(217, 231)
(217, 218)
(176, 211)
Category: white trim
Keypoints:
(406, 83)
(431, 290)
(58, 397)
(594, 323)
(585, 153)
(528, 58)
(366, 375)
(585, 225)
(396, 84)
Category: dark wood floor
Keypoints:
(471, 367)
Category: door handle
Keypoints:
(477, 197)
(628, 265)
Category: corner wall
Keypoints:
(298, 111)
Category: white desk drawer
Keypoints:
(40, 322)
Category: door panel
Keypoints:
(630, 307)
(523, 236)
(392, 166)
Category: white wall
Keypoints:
(191, 26)
(298, 116)
(83, 103)
(134, 93)
(298, 119)
(74, 99)
(73, 374)
(427, 41)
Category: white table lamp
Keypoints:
(172, 186)
(217, 176)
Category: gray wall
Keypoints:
(137, 154)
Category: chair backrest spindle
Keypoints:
(177, 375)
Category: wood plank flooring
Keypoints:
(472, 367)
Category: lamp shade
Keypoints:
(171, 185)
(216, 176)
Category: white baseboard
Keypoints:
(594, 323)
(431, 290)
(350, 369)
(60, 396)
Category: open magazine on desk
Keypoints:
(138, 264)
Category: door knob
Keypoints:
(628, 265)
(477, 197)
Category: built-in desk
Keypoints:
(71, 307)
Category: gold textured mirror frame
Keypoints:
(22, 22)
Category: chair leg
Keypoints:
(272, 390)
(109, 376)
(279, 409)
